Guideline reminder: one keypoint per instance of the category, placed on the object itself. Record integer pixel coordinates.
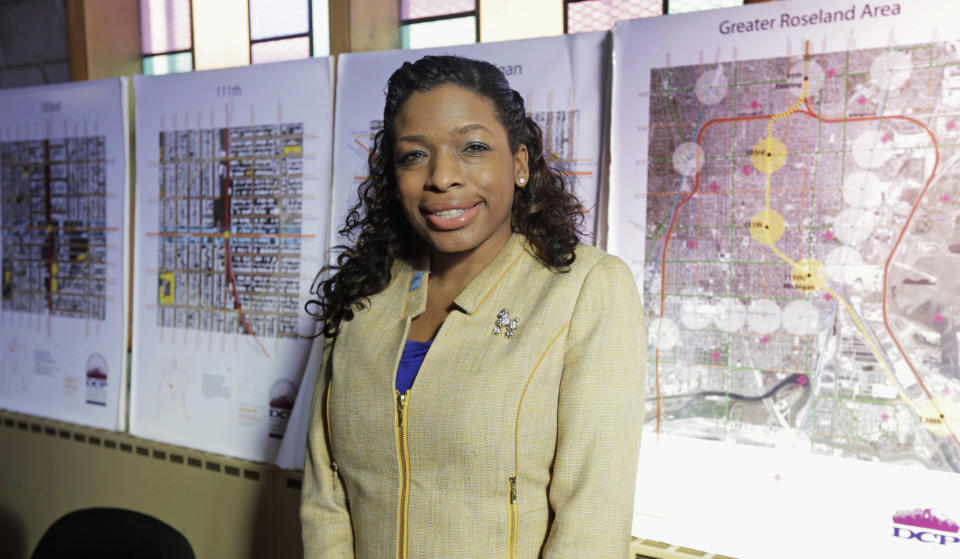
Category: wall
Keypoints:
(225, 507)
(33, 43)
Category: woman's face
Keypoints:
(455, 171)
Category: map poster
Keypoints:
(232, 205)
(565, 97)
(64, 183)
(785, 185)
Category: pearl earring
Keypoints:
(521, 181)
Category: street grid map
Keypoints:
(230, 202)
(802, 273)
(54, 227)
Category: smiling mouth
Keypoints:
(450, 213)
(451, 218)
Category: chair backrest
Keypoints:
(107, 533)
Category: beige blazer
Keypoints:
(505, 447)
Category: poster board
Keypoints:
(232, 205)
(565, 97)
(64, 180)
(784, 186)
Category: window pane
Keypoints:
(276, 18)
(415, 9)
(222, 39)
(278, 51)
(600, 15)
(441, 33)
(168, 63)
(321, 27)
(679, 6)
(165, 26)
(509, 20)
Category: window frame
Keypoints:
(475, 12)
(566, 12)
(193, 56)
(566, 4)
(309, 34)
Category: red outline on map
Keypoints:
(226, 238)
(809, 111)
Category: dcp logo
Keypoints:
(925, 526)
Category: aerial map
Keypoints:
(54, 226)
(229, 211)
(64, 250)
(802, 260)
(233, 171)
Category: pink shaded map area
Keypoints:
(923, 518)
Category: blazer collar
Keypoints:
(476, 292)
(414, 275)
(480, 287)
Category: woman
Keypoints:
(482, 386)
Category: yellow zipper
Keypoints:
(404, 455)
(514, 511)
(514, 520)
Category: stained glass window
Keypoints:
(439, 33)
(678, 6)
(182, 35)
(278, 18)
(279, 50)
(166, 36)
(168, 63)
(419, 9)
(600, 15)
(165, 26)
(281, 30)
(437, 23)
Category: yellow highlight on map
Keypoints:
(768, 155)
(166, 288)
(291, 149)
(808, 275)
(939, 415)
(766, 227)
(938, 419)
(54, 284)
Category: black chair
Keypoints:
(106, 533)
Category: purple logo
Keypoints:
(283, 394)
(97, 380)
(923, 518)
(925, 526)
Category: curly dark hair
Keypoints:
(546, 212)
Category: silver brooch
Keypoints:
(506, 324)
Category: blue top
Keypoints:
(410, 361)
